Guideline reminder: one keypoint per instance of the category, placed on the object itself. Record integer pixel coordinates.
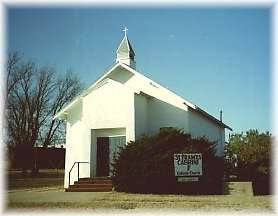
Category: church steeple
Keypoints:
(125, 53)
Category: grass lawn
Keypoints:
(45, 178)
(47, 193)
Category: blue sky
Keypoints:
(217, 58)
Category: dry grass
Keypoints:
(46, 178)
(239, 199)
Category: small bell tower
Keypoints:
(125, 53)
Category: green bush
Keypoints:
(147, 165)
(253, 151)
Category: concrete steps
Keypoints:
(95, 184)
(240, 188)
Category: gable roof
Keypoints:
(162, 93)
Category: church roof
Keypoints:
(161, 93)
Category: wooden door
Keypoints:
(102, 156)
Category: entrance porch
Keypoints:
(104, 146)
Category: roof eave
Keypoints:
(63, 113)
(212, 118)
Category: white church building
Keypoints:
(119, 107)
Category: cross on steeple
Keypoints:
(125, 30)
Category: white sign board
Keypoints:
(188, 164)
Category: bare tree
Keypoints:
(66, 88)
(12, 71)
(34, 96)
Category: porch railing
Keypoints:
(77, 162)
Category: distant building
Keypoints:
(119, 107)
(45, 158)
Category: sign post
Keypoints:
(188, 167)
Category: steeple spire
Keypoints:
(125, 53)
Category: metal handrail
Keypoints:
(77, 162)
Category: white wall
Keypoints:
(76, 149)
(141, 115)
(152, 114)
(109, 106)
(201, 126)
(109, 111)
(161, 114)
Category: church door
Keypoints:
(102, 156)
